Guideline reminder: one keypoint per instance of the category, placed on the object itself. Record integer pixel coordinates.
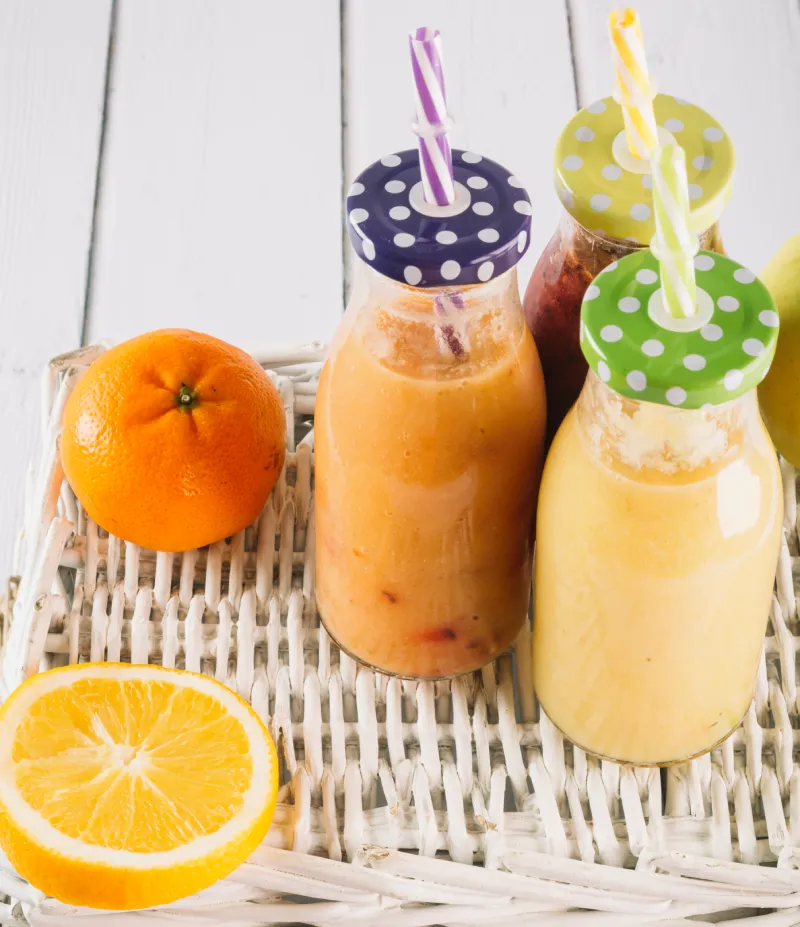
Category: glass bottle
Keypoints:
(607, 197)
(659, 520)
(429, 429)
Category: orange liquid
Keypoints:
(427, 478)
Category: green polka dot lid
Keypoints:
(609, 191)
(634, 345)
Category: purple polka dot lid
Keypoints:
(480, 236)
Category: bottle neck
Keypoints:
(437, 331)
(630, 435)
(709, 239)
(392, 295)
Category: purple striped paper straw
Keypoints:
(451, 332)
(433, 122)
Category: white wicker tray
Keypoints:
(468, 770)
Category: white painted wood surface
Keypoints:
(221, 182)
(52, 77)
(231, 127)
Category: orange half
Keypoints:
(126, 786)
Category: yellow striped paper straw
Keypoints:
(675, 245)
(634, 90)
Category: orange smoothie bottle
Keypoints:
(429, 426)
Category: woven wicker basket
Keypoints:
(461, 772)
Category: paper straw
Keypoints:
(634, 90)
(432, 123)
(451, 332)
(675, 245)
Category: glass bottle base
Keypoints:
(660, 764)
(417, 677)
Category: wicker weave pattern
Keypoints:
(439, 768)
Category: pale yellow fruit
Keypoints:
(779, 394)
(129, 786)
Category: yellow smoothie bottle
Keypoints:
(660, 514)
(429, 424)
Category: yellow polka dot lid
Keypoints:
(635, 346)
(609, 191)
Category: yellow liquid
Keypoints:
(652, 594)
(426, 495)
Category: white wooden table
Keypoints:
(182, 162)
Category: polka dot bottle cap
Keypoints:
(635, 347)
(609, 192)
(484, 233)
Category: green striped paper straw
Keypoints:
(674, 244)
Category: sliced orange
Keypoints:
(129, 786)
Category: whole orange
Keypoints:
(173, 440)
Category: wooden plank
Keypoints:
(221, 186)
(52, 81)
(740, 63)
(509, 87)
